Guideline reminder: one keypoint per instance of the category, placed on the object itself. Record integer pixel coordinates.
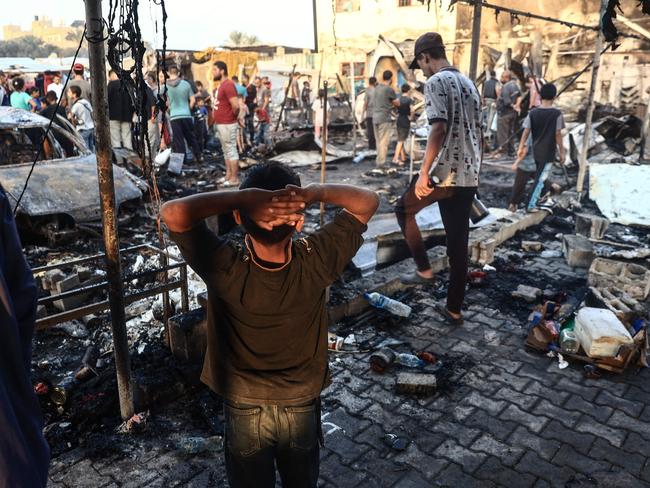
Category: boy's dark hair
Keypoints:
(18, 83)
(387, 75)
(76, 90)
(406, 88)
(51, 98)
(268, 176)
(173, 70)
(222, 66)
(34, 89)
(548, 91)
(493, 73)
(372, 80)
(235, 79)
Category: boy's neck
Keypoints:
(271, 253)
(547, 103)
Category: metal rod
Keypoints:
(313, 6)
(412, 151)
(97, 62)
(591, 105)
(101, 306)
(185, 301)
(476, 40)
(286, 94)
(323, 150)
(354, 118)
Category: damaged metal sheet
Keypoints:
(297, 159)
(384, 226)
(621, 192)
(66, 186)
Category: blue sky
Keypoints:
(195, 24)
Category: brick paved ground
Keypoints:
(505, 417)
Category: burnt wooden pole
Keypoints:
(591, 104)
(286, 94)
(476, 39)
(323, 150)
(97, 60)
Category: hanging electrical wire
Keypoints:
(39, 151)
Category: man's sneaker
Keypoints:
(414, 278)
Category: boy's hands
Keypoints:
(269, 209)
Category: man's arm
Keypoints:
(395, 102)
(234, 103)
(560, 144)
(523, 148)
(192, 101)
(267, 208)
(361, 203)
(434, 144)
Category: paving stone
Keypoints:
(545, 448)
(622, 421)
(347, 450)
(567, 417)
(567, 456)
(555, 396)
(602, 450)
(586, 392)
(535, 423)
(578, 404)
(634, 443)
(83, 474)
(539, 375)
(334, 471)
(463, 435)
(454, 477)
(517, 382)
(522, 400)
(494, 407)
(412, 480)
(374, 461)
(614, 436)
(580, 441)
(427, 465)
(533, 464)
(492, 469)
(351, 425)
(633, 409)
(507, 454)
(497, 427)
(453, 451)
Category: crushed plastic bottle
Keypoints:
(378, 300)
(410, 361)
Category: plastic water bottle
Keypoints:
(359, 157)
(409, 360)
(378, 300)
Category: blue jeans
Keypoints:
(543, 172)
(88, 135)
(259, 438)
(260, 137)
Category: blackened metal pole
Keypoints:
(97, 62)
(591, 104)
(324, 150)
(476, 40)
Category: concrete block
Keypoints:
(188, 335)
(486, 255)
(416, 383)
(527, 293)
(50, 278)
(67, 284)
(531, 246)
(591, 226)
(632, 279)
(578, 251)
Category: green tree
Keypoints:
(26, 46)
(237, 38)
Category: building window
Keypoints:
(404, 3)
(348, 5)
(359, 74)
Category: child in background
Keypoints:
(544, 124)
(200, 114)
(35, 93)
(317, 110)
(242, 143)
(263, 122)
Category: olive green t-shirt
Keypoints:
(267, 328)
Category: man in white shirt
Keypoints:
(56, 86)
(81, 115)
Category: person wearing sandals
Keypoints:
(403, 124)
(450, 170)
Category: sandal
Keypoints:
(448, 318)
